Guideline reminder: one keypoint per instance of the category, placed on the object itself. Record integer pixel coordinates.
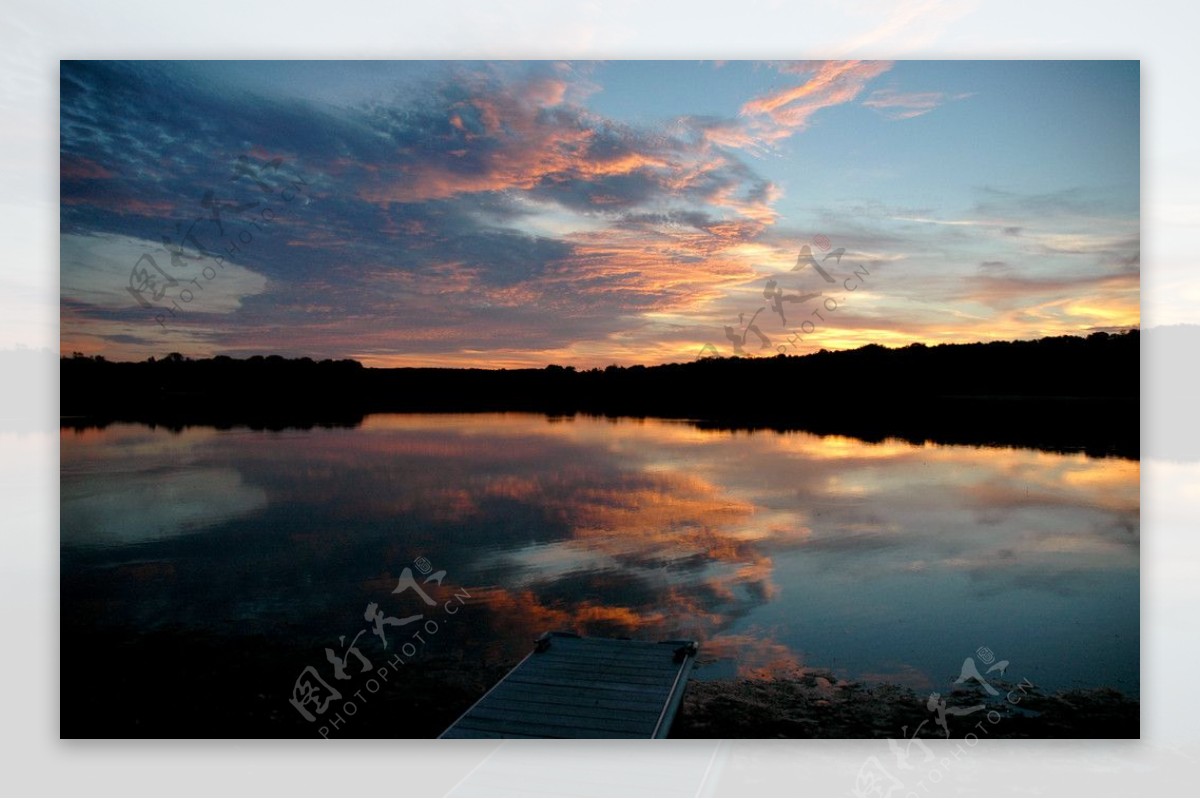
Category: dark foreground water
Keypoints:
(205, 572)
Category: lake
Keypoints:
(234, 557)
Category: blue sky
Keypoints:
(525, 213)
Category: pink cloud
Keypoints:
(525, 145)
(779, 115)
(899, 105)
(74, 167)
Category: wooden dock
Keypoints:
(573, 687)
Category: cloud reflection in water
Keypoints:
(778, 550)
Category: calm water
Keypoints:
(777, 550)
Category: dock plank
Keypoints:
(582, 682)
(608, 658)
(615, 659)
(637, 714)
(597, 699)
(533, 719)
(589, 674)
(574, 687)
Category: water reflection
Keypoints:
(777, 550)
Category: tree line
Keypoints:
(1070, 391)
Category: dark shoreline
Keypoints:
(815, 704)
(1064, 425)
(1064, 394)
(241, 692)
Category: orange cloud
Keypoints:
(757, 656)
(779, 115)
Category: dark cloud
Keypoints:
(401, 201)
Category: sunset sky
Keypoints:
(525, 213)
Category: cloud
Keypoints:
(785, 112)
(98, 270)
(123, 508)
(74, 167)
(483, 196)
(901, 105)
(490, 197)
